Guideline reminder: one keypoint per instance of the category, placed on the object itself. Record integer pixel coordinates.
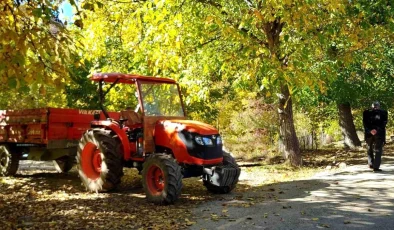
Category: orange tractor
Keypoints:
(156, 139)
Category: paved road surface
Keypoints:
(353, 198)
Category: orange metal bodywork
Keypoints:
(166, 135)
(128, 78)
(121, 134)
(129, 148)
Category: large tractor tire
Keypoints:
(228, 161)
(64, 164)
(162, 179)
(9, 161)
(100, 160)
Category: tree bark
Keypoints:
(346, 123)
(288, 142)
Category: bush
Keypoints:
(334, 130)
(249, 130)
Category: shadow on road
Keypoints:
(353, 198)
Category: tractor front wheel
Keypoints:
(100, 160)
(9, 161)
(162, 179)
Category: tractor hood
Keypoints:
(191, 142)
(190, 126)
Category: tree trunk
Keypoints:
(346, 123)
(288, 142)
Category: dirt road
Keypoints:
(350, 198)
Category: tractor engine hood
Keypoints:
(191, 126)
(191, 142)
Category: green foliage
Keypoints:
(33, 96)
(333, 130)
(221, 51)
(369, 77)
(139, 37)
(359, 55)
(230, 58)
(303, 124)
(390, 124)
(251, 121)
(34, 46)
(81, 91)
(121, 97)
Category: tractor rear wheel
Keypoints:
(9, 161)
(64, 164)
(162, 179)
(100, 160)
(228, 160)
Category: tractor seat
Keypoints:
(131, 116)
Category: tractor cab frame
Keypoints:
(148, 89)
(157, 139)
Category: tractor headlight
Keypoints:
(198, 139)
(207, 141)
(219, 140)
(203, 140)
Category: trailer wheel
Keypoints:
(162, 179)
(100, 160)
(9, 162)
(64, 164)
(228, 160)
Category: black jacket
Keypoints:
(375, 119)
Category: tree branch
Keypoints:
(212, 3)
(13, 15)
(41, 59)
(205, 43)
(180, 7)
(127, 2)
(232, 23)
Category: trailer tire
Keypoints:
(9, 161)
(228, 160)
(161, 179)
(100, 160)
(64, 164)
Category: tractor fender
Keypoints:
(120, 132)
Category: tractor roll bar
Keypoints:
(103, 94)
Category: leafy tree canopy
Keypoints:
(35, 48)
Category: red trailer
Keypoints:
(42, 134)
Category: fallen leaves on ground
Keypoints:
(43, 199)
(48, 200)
